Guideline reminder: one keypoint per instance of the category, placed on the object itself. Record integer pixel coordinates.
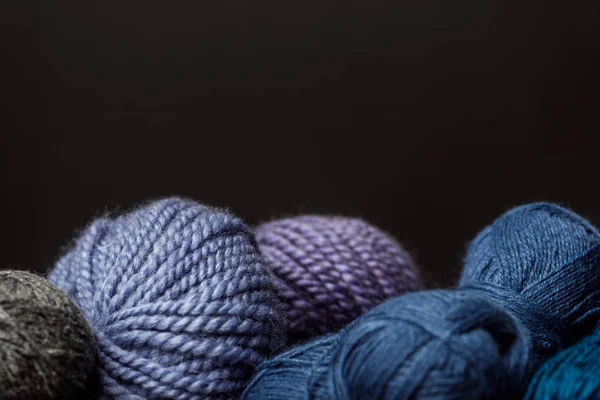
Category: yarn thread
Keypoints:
(331, 270)
(529, 280)
(179, 300)
(47, 350)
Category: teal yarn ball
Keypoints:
(529, 283)
(573, 373)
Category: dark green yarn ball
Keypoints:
(47, 350)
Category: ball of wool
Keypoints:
(179, 300)
(330, 270)
(571, 374)
(402, 349)
(47, 350)
(529, 280)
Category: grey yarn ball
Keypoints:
(47, 350)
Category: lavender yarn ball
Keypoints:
(178, 298)
(331, 270)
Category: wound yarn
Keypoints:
(47, 350)
(331, 270)
(529, 280)
(573, 373)
(403, 349)
(179, 300)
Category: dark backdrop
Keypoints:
(426, 117)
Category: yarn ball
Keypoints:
(179, 300)
(47, 350)
(573, 373)
(402, 349)
(529, 280)
(330, 270)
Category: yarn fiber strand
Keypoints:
(47, 350)
(331, 270)
(529, 281)
(178, 298)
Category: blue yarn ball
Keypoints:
(540, 262)
(529, 280)
(403, 349)
(573, 373)
(178, 298)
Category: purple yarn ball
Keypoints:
(331, 270)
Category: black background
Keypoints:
(426, 117)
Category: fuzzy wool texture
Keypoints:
(47, 350)
(331, 270)
(179, 299)
(530, 286)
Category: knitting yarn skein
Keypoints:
(529, 281)
(178, 298)
(47, 350)
(330, 270)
